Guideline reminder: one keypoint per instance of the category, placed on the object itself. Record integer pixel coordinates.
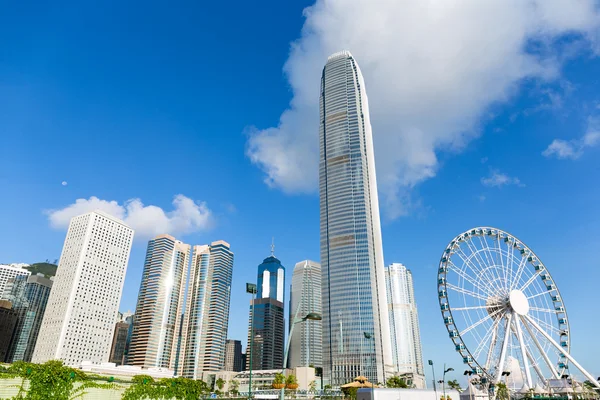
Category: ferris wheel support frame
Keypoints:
(504, 347)
(523, 351)
(567, 355)
(544, 355)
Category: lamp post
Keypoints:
(368, 336)
(310, 316)
(434, 386)
(444, 379)
(251, 288)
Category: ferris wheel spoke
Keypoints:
(466, 277)
(465, 291)
(492, 344)
(480, 259)
(482, 344)
(481, 321)
(479, 272)
(500, 251)
(537, 295)
(520, 270)
(546, 310)
(469, 308)
(529, 282)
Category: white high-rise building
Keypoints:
(155, 335)
(206, 317)
(11, 271)
(84, 302)
(305, 297)
(356, 333)
(404, 324)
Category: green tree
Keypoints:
(502, 391)
(234, 386)
(454, 385)
(396, 382)
(52, 380)
(312, 386)
(220, 383)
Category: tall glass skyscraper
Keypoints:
(404, 323)
(29, 296)
(269, 325)
(207, 310)
(160, 302)
(356, 335)
(305, 297)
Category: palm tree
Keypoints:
(219, 384)
(502, 391)
(233, 387)
(453, 384)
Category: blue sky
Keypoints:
(148, 101)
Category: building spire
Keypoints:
(273, 247)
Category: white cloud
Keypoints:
(499, 179)
(573, 149)
(64, 183)
(187, 215)
(432, 70)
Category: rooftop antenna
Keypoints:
(273, 247)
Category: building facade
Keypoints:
(29, 296)
(353, 284)
(266, 330)
(233, 355)
(10, 271)
(404, 323)
(119, 344)
(78, 324)
(160, 302)
(305, 298)
(8, 321)
(206, 318)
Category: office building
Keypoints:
(353, 282)
(305, 298)
(404, 323)
(78, 324)
(207, 310)
(160, 303)
(119, 348)
(29, 296)
(8, 321)
(9, 271)
(267, 328)
(233, 355)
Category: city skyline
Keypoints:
(356, 333)
(466, 133)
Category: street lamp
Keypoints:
(433, 371)
(368, 336)
(444, 379)
(313, 316)
(251, 288)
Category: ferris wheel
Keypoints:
(503, 310)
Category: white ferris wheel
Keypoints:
(502, 308)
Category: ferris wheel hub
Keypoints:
(518, 302)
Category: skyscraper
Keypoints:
(305, 297)
(351, 251)
(8, 272)
(233, 355)
(404, 323)
(78, 324)
(160, 302)
(269, 324)
(29, 296)
(8, 322)
(119, 343)
(207, 310)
